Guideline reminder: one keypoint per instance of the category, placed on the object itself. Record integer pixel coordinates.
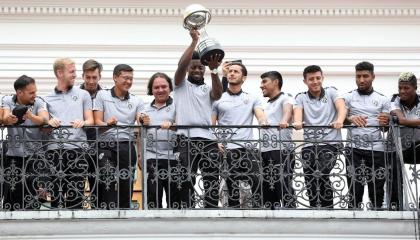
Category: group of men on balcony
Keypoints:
(177, 154)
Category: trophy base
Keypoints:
(208, 48)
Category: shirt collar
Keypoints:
(416, 103)
(14, 99)
(234, 94)
(320, 96)
(126, 97)
(82, 86)
(275, 97)
(59, 91)
(167, 103)
(368, 92)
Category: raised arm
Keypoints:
(185, 60)
(216, 85)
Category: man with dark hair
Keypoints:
(72, 106)
(152, 80)
(276, 144)
(160, 158)
(405, 106)
(118, 107)
(366, 109)
(194, 98)
(91, 76)
(23, 108)
(237, 107)
(319, 107)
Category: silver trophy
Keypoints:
(196, 17)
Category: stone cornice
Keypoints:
(223, 12)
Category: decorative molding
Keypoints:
(404, 12)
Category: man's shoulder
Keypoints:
(330, 89)
(300, 95)
(7, 98)
(395, 97)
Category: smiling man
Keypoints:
(72, 106)
(23, 143)
(194, 99)
(319, 106)
(276, 145)
(118, 107)
(159, 151)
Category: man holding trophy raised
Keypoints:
(194, 98)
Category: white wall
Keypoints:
(277, 35)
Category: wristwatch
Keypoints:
(214, 71)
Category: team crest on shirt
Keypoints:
(246, 100)
(75, 98)
(204, 88)
(417, 113)
(375, 102)
(324, 99)
(130, 106)
(168, 109)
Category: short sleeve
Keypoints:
(298, 103)
(386, 106)
(214, 109)
(140, 106)
(334, 94)
(7, 102)
(257, 103)
(98, 103)
(41, 105)
(87, 101)
(289, 100)
(395, 105)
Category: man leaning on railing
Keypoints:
(160, 158)
(276, 144)
(66, 155)
(319, 107)
(366, 157)
(22, 109)
(406, 107)
(117, 154)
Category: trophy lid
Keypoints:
(196, 16)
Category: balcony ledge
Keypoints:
(208, 224)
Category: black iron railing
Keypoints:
(273, 169)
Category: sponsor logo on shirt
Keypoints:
(204, 88)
